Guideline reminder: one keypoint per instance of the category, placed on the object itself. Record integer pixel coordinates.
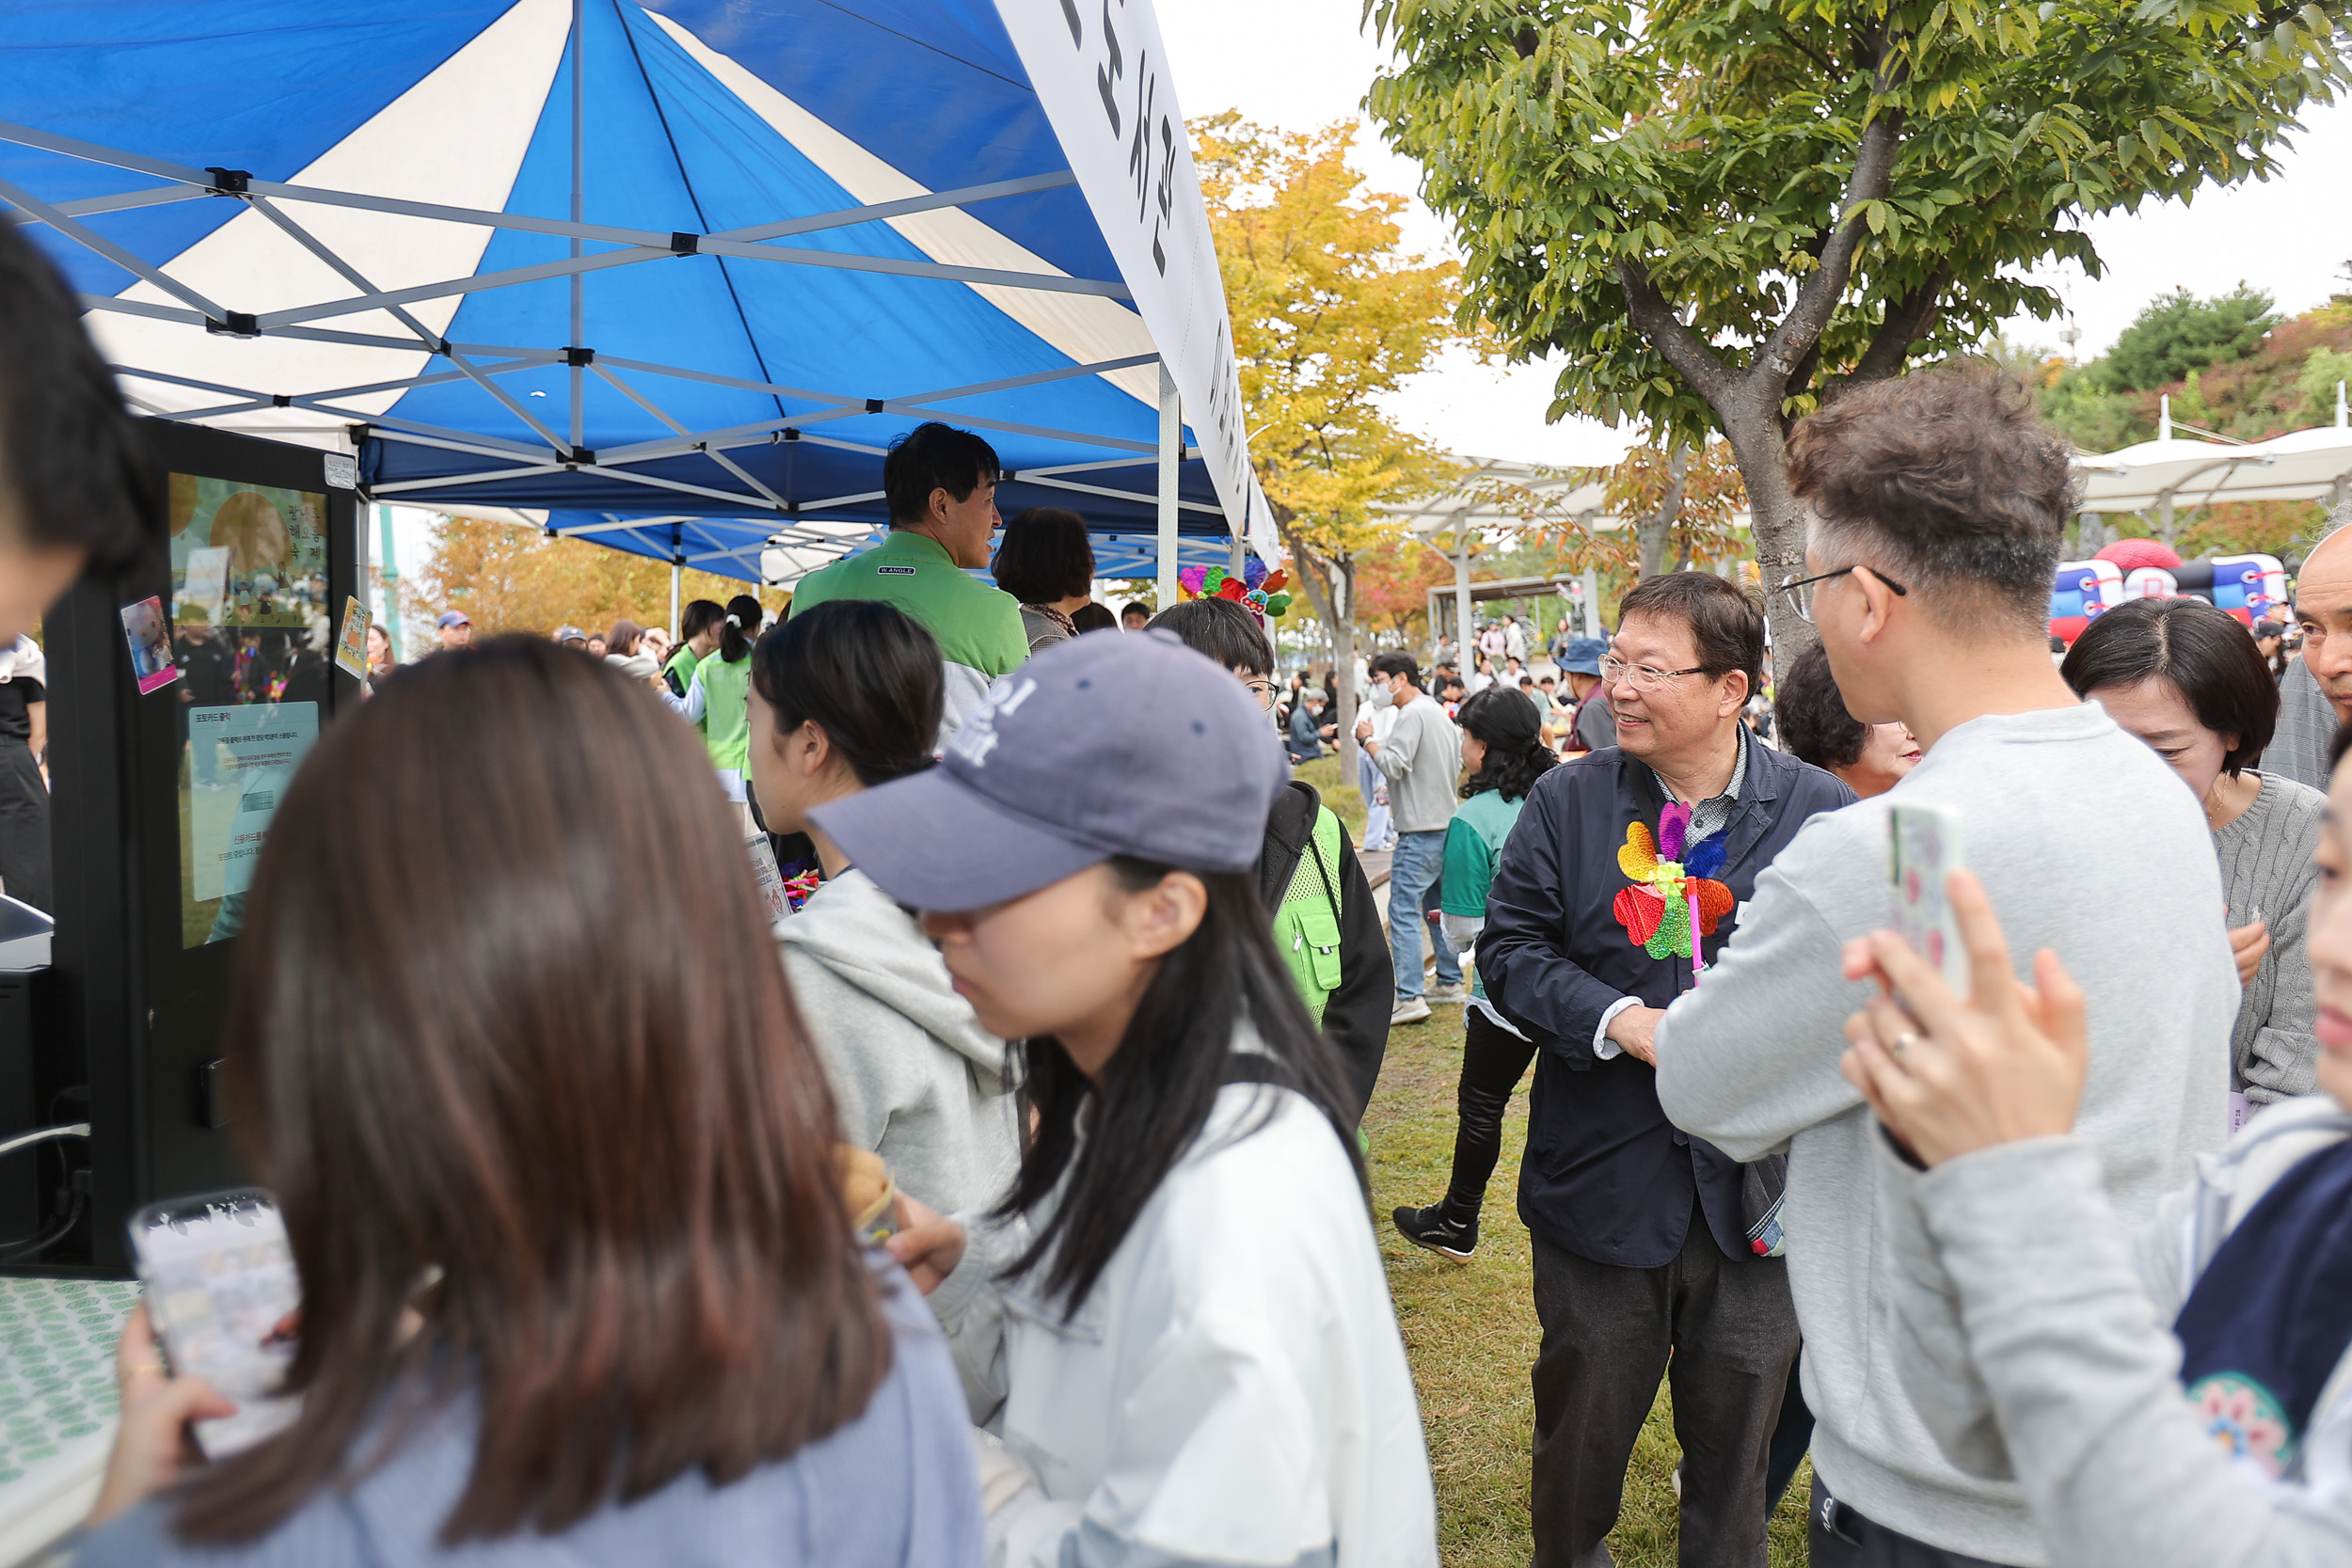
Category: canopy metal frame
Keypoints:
(558, 448)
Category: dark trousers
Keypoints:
(1792, 1437)
(1721, 1331)
(1837, 1537)
(1493, 1062)
(23, 828)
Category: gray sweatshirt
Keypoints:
(919, 1082)
(1422, 758)
(2038, 1344)
(2088, 843)
(2266, 865)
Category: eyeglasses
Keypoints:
(1799, 590)
(1642, 678)
(1264, 690)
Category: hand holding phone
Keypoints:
(152, 1443)
(1924, 850)
(220, 1287)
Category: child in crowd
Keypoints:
(1176, 1321)
(1502, 752)
(719, 697)
(578, 1284)
(843, 698)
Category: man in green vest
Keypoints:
(940, 484)
(1325, 922)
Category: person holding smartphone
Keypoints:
(578, 1281)
(1176, 1321)
(2171, 1392)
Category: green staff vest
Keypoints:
(1306, 924)
(726, 712)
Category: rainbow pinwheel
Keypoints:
(1669, 893)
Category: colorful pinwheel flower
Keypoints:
(1667, 892)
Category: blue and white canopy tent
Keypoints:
(619, 257)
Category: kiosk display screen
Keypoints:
(251, 635)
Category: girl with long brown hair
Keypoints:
(578, 1283)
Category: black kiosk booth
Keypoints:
(164, 771)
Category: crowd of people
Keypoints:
(1104, 987)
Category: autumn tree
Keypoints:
(1720, 212)
(1330, 315)
(509, 578)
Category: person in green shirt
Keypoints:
(1503, 752)
(940, 483)
(719, 697)
(699, 628)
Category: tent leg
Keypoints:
(1171, 432)
(1592, 602)
(391, 575)
(1465, 663)
(677, 580)
(1241, 556)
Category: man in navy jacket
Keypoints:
(1641, 1232)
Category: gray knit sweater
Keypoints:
(2266, 865)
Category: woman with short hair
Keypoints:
(1815, 727)
(1046, 560)
(578, 1283)
(2186, 678)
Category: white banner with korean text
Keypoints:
(1102, 74)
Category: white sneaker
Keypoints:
(1409, 1009)
(1454, 993)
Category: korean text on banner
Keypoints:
(241, 759)
(1102, 74)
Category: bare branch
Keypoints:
(1680, 347)
(1873, 165)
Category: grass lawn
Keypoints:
(1324, 774)
(1471, 1332)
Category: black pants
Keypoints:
(1493, 1062)
(1721, 1331)
(1792, 1437)
(24, 828)
(1837, 1537)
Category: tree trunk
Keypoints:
(1654, 531)
(1778, 533)
(1330, 586)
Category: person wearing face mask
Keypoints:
(1815, 727)
(2185, 678)
(1177, 1321)
(1419, 759)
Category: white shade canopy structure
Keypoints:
(2167, 472)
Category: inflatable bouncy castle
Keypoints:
(2250, 587)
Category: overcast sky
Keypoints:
(1303, 63)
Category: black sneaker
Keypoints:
(1436, 1229)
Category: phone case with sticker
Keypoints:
(1924, 850)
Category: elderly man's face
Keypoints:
(1682, 713)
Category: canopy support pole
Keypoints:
(578, 337)
(1171, 434)
(1592, 602)
(677, 580)
(1464, 663)
(391, 574)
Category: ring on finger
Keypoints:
(1903, 1042)
(155, 1367)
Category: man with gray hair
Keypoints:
(1938, 502)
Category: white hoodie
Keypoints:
(919, 1082)
(1233, 1391)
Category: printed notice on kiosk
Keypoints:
(241, 759)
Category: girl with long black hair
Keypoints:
(1502, 747)
(1177, 1320)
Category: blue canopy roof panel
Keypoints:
(628, 255)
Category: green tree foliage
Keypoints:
(2179, 333)
(1719, 210)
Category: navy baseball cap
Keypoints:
(1583, 655)
(453, 618)
(1098, 746)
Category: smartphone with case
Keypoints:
(221, 1295)
(1925, 849)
